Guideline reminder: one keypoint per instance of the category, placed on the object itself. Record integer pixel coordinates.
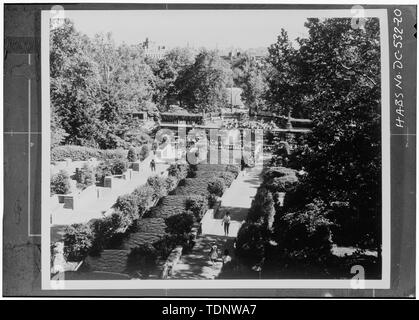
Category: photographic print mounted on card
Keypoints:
(239, 148)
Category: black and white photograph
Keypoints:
(245, 147)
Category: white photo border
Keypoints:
(383, 283)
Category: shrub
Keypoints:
(198, 205)
(305, 235)
(216, 186)
(102, 171)
(250, 243)
(262, 208)
(212, 200)
(76, 153)
(180, 171)
(85, 176)
(78, 240)
(144, 152)
(180, 224)
(228, 178)
(128, 205)
(132, 155)
(60, 183)
(165, 245)
(109, 231)
(295, 199)
(277, 172)
(145, 198)
(142, 260)
(233, 169)
(112, 154)
(159, 186)
(171, 183)
(210, 167)
(110, 167)
(118, 166)
(120, 222)
(281, 184)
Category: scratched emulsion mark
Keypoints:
(17, 211)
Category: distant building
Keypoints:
(152, 50)
(234, 97)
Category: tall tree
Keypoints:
(254, 85)
(166, 71)
(72, 72)
(125, 85)
(202, 86)
(284, 93)
(340, 74)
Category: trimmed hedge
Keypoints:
(169, 206)
(60, 183)
(171, 183)
(145, 198)
(132, 155)
(78, 240)
(81, 153)
(180, 224)
(234, 169)
(216, 186)
(180, 171)
(305, 235)
(128, 205)
(281, 184)
(110, 167)
(193, 186)
(228, 177)
(198, 205)
(159, 186)
(250, 241)
(85, 176)
(144, 152)
(277, 172)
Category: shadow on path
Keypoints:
(196, 264)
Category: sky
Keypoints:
(197, 28)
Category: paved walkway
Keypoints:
(91, 206)
(237, 200)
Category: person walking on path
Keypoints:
(153, 165)
(213, 255)
(243, 167)
(226, 221)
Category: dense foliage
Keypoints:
(78, 239)
(60, 183)
(202, 85)
(96, 85)
(334, 78)
(333, 189)
(85, 176)
(82, 153)
(132, 155)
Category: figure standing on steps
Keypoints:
(213, 255)
(153, 165)
(226, 221)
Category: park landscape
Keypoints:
(152, 146)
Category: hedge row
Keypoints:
(218, 167)
(80, 153)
